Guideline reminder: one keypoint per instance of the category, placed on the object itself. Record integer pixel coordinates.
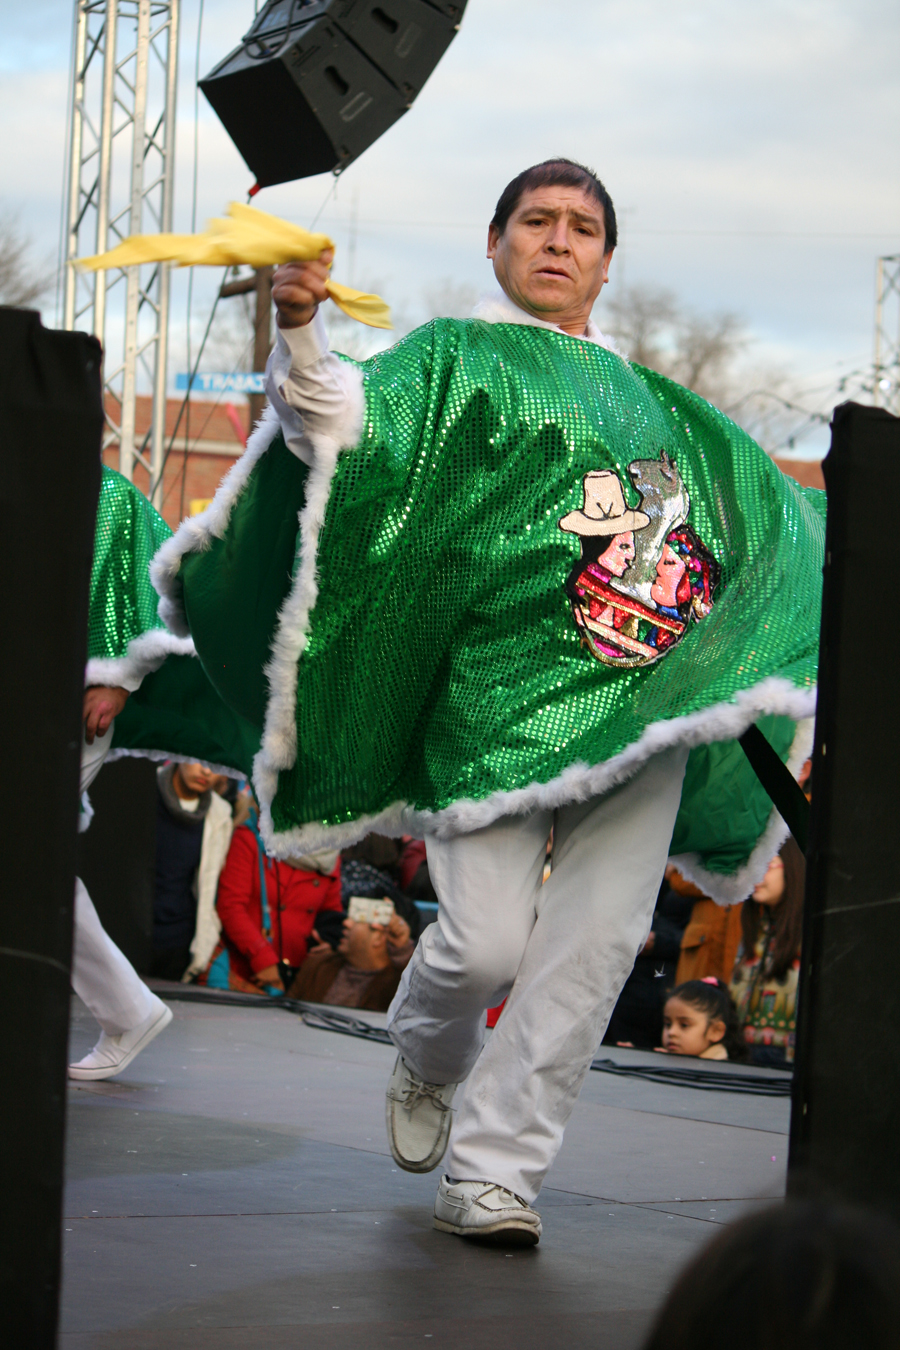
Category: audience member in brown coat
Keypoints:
(710, 942)
(365, 970)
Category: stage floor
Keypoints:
(225, 1191)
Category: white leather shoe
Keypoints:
(112, 1054)
(482, 1209)
(418, 1119)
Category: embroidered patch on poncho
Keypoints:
(644, 574)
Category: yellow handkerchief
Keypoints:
(246, 236)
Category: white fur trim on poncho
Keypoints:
(143, 655)
(723, 721)
(196, 533)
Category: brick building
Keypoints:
(807, 472)
(210, 438)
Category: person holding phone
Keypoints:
(366, 969)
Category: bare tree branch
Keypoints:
(643, 319)
(706, 348)
(23, 283)
(706, 353)
(449, 300)
(657, 330)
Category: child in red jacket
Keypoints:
(267, 930)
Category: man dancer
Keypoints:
(130, 1014)
(127, 643)
(527, 704)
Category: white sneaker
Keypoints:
(112, 1054)
(418, 1119)
(482, 1209)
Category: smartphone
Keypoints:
(330, 927)
(364, 910)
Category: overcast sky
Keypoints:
(751, 151)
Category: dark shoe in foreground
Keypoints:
(481, 1209)
(418, 1119)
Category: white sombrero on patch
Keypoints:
(605, 512)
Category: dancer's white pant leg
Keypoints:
(592, 917)
(93, 755)
(487, 883)
(102, 977)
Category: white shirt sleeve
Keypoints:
(306, 387)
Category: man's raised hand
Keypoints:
(299, 288)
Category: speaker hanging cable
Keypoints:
(265, 53)
(190, 290)
(192, 374)
(328, 195)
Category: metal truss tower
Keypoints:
(120, 182)
(886, 390)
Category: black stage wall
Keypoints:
(117, 855)
(50, 426)
(845, 1132)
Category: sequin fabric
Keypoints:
(123, 602)
(445, 660)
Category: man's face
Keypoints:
(195, 779)
(551, 259)
(359, 944)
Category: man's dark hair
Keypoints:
(557, 172)
(807, 1275)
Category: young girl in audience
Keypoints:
(700, 1019)
(764, 984)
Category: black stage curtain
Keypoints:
(50, 428)
(846, 1113)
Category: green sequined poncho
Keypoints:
(528, 567)
(173, 709)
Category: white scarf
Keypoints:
(498, 308)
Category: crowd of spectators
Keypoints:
(733, 969)
(228, 916)
(710, 981)
(714, 982)
(720, 982)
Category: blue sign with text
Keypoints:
(217, 382)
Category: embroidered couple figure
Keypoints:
(633, 604)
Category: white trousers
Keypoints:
(560, 952)
(102, 977)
